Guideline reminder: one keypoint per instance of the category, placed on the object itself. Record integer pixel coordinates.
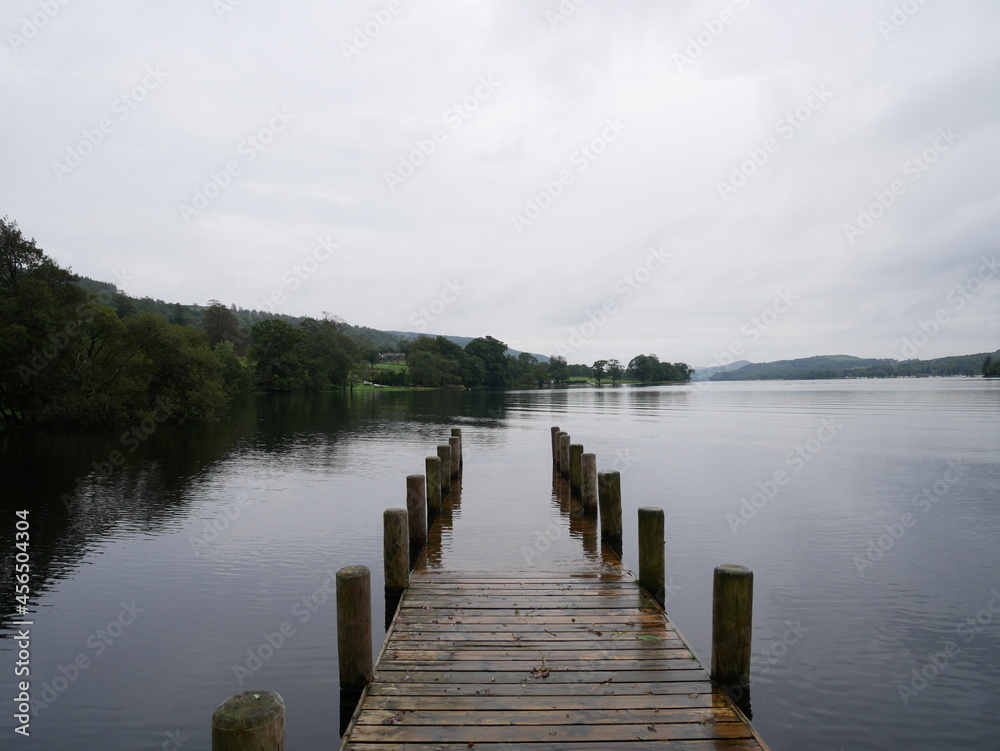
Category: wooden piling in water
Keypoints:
(457, 433)
(396, 548)
(588, 483)
(609, 497)
(432, 471)
(354, 627)
(416, 507)
(444, 454)
(652, 567)
(732, 624)
(249, 721)
(555, 446)
(558, 449)
(564, 453)
(456, 455)
(575, 469)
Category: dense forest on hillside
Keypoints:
(79, 351)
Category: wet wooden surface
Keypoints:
(581, 658)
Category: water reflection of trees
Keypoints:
(83, 487)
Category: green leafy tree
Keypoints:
(644, 368)
(493, 355)
(236, 376)
(558, 369)
(175, 366)
(222, 325)
(275, 354)
(600, 370)
(615, 371)
(324, 357)
(436, 362)
(521, 368)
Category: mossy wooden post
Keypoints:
(416, 508)
(652, 568)
(432, 465)
(575, 469)
(564, 453)
(457, 432)
(444, 454)
(396, 548)
(588, 483)
(354, 627)
(609, 497)
(456, 455)
(249, 721)
(555, 446)
(732, 616)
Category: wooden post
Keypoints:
(555, 446)
(575, 468)
(588, 483)
(354, 627)
(432, 465)
(559, 437)
(416, 507)
(652, 569)
(249, 721)
(609, 486)
(564, 453)
(732, 616)
(456, 455)
(457, 432)
(396, 548)
(444, 454)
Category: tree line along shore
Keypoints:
(80, 352)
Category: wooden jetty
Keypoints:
(579, 659)
(583, 662)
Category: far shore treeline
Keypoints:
(79, 352)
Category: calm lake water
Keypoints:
(869, 512)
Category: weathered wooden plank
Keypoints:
(420, 642)
(536, 689)
(517, 653)
(589, 667)
(487, 678)
(588, 716)
(494, 702)
(485, 589)
(652, 623)
(564, 615)
(522, 733)
(526, 602)
(733, 744)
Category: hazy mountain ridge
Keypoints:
(847, 366)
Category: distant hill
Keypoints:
(705, 373)
(845, 366)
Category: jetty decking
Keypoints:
(587, 661)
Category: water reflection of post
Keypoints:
(442, 528)
(579, 525)
(348, 703)
(741, 698)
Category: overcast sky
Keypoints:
(688, 179)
